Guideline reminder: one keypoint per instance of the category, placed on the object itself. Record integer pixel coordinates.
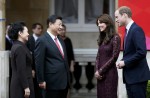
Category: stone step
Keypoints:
(83, 93)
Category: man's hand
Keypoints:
(120, 64)
(33, 73)
(42, 85)
(26, 92)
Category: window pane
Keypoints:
(67, 9)
(93, 9)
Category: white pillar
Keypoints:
(2, 24)
(4, 74)
(121, 86)
(4, 55)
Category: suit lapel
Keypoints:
(52, 43)
(129, 35)
(32, 43)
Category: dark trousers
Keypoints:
(56, 93)
(137, 90)
(39, 93)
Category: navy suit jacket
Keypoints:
(50, 65)
(8, 44)
(136, 68)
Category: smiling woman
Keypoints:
(108, 52)
(102, 26)
(21, 62)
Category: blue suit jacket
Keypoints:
(136, 68)
(50, 65)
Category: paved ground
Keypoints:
(83, 94)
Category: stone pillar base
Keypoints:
(4, 74)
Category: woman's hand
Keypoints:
(33, 73)
(27, 93)
(98, 76)
(72, 66)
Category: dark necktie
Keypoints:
(58, 46)
(125, 36)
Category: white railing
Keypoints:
(4, 74)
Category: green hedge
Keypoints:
(148, 90)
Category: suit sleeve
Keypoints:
(21, 66)
(140, 45)
(113, 59)
(39, 55)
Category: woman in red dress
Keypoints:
(108, 52)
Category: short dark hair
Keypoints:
(35, 25)
(125, 9)
(52, 19)
(15, 28)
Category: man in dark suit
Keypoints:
(37, 29)
(8, 45)
(8, 41)
(51, 60)
(135, 68)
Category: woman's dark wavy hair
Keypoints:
(109, 32)
(15, 28)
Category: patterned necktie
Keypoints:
(125, 36)
(58, 46)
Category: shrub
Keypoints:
(148, 90)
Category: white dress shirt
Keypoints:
(128, 26)
(53, 37)
(35, 37)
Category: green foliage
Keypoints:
(148, 90)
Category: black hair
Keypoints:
(35, 25)
(15, 28)
(52, 19)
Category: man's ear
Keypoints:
(19, 33)
(50, 24)
(125, 15)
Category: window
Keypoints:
(81, 15)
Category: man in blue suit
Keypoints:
(135, 68)
(51, 60)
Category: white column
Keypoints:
(2, 24)
(83, 79)
(4, 74)
(121, 86)
(4, 55)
